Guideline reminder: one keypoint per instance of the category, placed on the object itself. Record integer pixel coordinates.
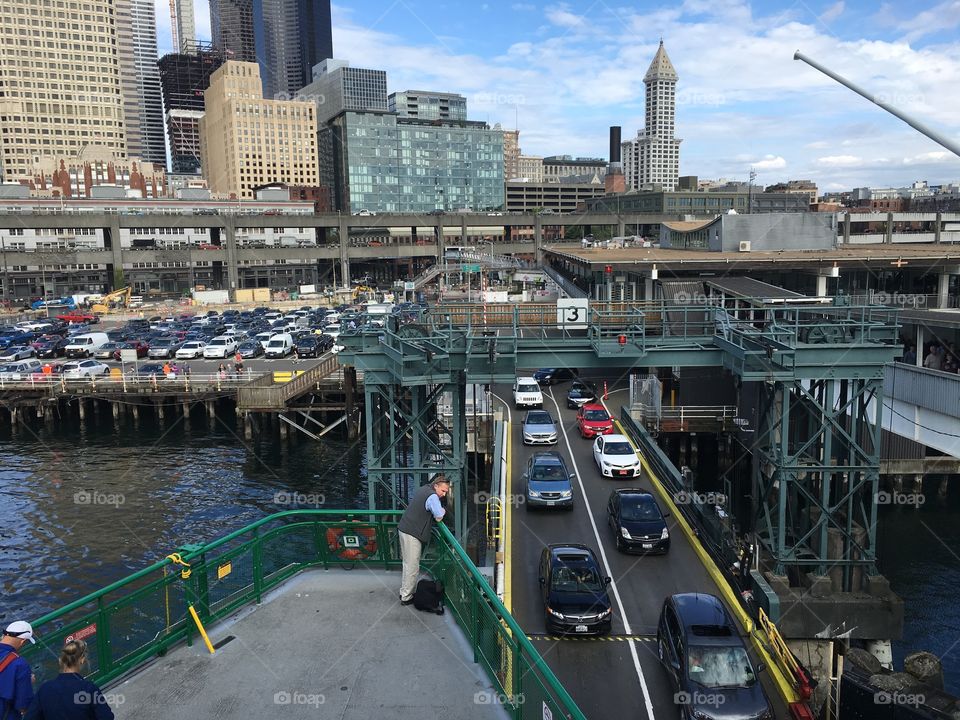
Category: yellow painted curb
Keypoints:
(787, 691)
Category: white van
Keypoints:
(526, 393)
(85, 344)
(279, 346)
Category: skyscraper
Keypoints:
(231, 24)
(183, 26)
(81, 71)
(286, 37)
(654, 155)
(136, 29)
(183, 78)
(247, 141)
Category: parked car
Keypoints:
(148, 370)
(105, 351)
(615, 456)
(308, 346)
(539, 428)
(526, 393)
(141, 348)
(85, 344)
(20, 370)
(548, 481)
(50, 347)
(637, 523)
(80, 369)
(164, 348)
(579, 394)
(16, 352)
(552, 376)
(279, 346)
(220, 347)
(250, 349)
(574, 590)
(190, 350)
(707, 661)
(593, 420)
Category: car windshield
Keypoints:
(218, 341)
(575, 578)
(617, 448)
(639, 510)
(595, 415)
(539, 418)
(528, 388)
(720, 667)
(548, 473)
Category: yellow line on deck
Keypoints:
(787, 691)
(507, 526)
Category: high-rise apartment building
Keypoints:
(183, 79)
(286, 37)
(428, 105)
(337, 87)
(511, 153)
(247, 141)
(653, 157)
(183, 26)
(69, 50)
(231, 25)
(142, 100)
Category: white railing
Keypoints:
(193, 382)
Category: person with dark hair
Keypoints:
(16, 679)
(70, 696)
(415, 528)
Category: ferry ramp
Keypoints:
(619, 675)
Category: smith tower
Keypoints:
(654, 155)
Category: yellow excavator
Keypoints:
(364, 290)
(114, 301)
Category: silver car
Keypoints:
(539, 428)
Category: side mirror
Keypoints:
(675, 665)
(666, 515)
(542, 581)
(607, 581)
(573, 476)
(761, 667)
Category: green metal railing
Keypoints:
(134, 620)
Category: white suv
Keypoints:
(220, 347)
(526, 393)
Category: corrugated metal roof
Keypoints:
(746, 287)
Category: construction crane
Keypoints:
(118, 298)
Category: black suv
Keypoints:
(579, 394)
(574, 591)
(637, 523)
(707, 662)
(550, 376)
(307, 346)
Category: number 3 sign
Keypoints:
(572, 313)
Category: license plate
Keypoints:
(551, 502)
(624, 472)
(580, 628)
(648, 546)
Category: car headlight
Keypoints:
(665, 534)
(625, 533)
(554, 612)
(605, 614)
(566, 493)
(533, 493)
(606, 463)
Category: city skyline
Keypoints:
(742, 100)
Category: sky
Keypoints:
(563, 73)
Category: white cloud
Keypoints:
(564, 18)
(817, 145)
(523, 7)
(840, 161)
(770, 162)
(833, 12)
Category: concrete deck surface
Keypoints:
(327, 644)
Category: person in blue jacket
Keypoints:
(16, 679)
(70, 696)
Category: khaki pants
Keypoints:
(410, 549)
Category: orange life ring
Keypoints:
(352, 543)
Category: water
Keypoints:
(65, 532)
(83, 507)
(919, 551)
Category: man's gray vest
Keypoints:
(417, 520)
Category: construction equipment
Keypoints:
(113, 301)
(364, 290)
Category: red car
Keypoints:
(141, 347)
(77, 318)
(593, 420)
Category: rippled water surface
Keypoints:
(82, 508)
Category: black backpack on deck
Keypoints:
(429, 596)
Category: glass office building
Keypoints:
(384, 163)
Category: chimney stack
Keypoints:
(614, 182)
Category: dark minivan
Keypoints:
(574, 591)
(637, 523)
(707, 662)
